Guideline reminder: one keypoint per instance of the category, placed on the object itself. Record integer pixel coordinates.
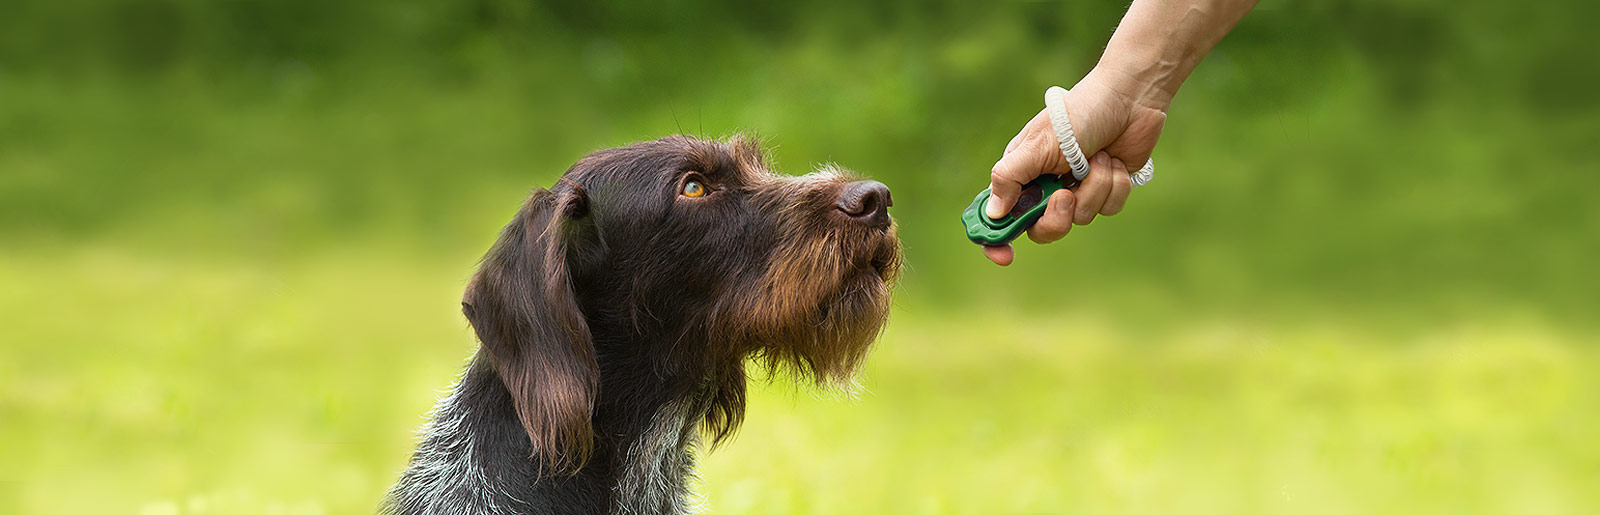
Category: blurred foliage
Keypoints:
(233, 232)
(1371, 152)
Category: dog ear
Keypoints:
(522, 305)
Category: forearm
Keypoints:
(1159, 42)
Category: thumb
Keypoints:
(1007, 177)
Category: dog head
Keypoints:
(683, 257)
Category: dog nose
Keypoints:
(866, 202)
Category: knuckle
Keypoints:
(1115, 204)
(1043, 235)
(1049, 229)
(1104, 178)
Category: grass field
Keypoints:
(133, 383)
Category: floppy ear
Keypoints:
(522, 306)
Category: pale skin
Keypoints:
(1117, 112)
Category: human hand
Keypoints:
(1115, 118)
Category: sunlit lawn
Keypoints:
(139, 384)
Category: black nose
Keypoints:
(866, 202)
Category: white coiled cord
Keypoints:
(1055, 104)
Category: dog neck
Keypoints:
(475, 456)
(654, 472)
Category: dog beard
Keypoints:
(821, 304)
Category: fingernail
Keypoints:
(992, 208)
(1100, 159)
(1116, 164)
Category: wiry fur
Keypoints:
(616, 317)
(661, 461)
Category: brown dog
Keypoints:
(616, 314)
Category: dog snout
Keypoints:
(866, 202)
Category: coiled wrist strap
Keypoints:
(1055, 104)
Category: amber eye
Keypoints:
(693, 188)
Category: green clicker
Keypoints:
(1030, 205)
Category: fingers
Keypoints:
(1121, 187)
(1034, 153)
(1000, 255)
(1107, 186)
(1057, 219)
(1094, 191)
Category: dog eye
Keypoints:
(693, 188)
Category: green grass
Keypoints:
(138, 383)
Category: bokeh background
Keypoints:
(233, 236)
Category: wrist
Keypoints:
(1159, 42)
(1142, 78)
(1095, 113)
